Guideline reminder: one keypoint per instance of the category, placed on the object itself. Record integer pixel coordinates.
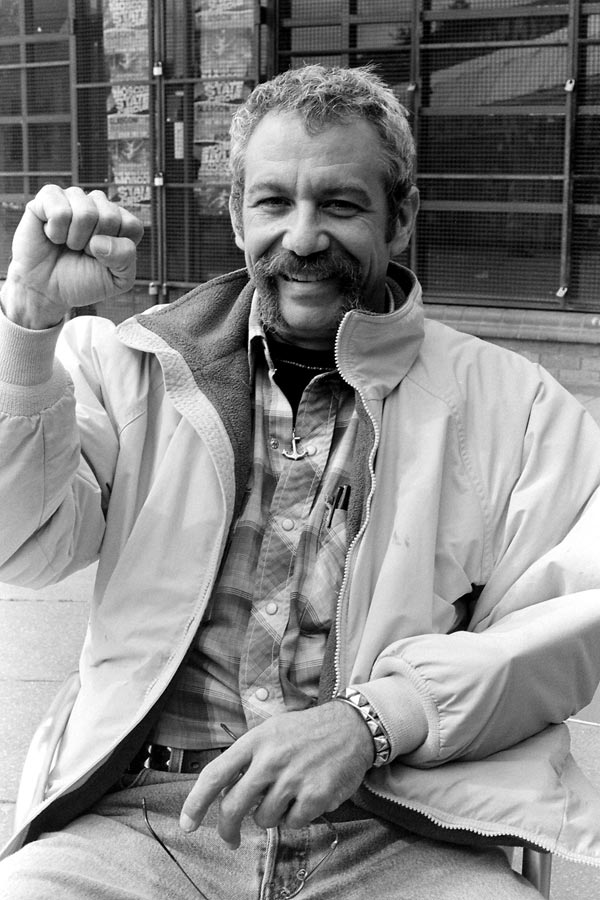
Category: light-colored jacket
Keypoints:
(470, 606)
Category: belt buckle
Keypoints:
(163, 759)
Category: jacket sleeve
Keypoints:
(52, 519)
(530, 655)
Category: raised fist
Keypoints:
(69, 249)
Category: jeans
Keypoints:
(109, 854)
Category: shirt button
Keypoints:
(271, 608)
(262, 694)
(287, 524)
(311, 450)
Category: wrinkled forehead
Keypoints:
(339, 153)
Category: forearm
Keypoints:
(481, 693)
(41, 492)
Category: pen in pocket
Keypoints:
(340, 500)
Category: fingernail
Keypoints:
(102, 245)
(185, 823)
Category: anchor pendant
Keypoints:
(294, 453)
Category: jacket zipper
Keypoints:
(360, 532)
(458, 825)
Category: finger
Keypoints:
(302, 812)
(52, 208)
(131, 226)
(118, 255)
(273, 809)
(212, 780)
(109, 214)
(115, 220)
(84, 218)
(236, 803)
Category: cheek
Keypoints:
(259, 236)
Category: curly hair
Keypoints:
(325, 96)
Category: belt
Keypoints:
(186, 762)
(175, 759)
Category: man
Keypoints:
(348, 571)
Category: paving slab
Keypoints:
(77, 587)
(40, 640)
(6, 820)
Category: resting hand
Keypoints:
(289, 770)
(69, 249)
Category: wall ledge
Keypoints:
(519, 324)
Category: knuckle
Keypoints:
(86, 217)
(131, 226)
(230, 807)
(210, 779)
(76, 195)
(264, 818)
(300, 818)
(99, 196)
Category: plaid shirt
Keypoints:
(261, 645)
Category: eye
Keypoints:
(272, 202)
(340, 207)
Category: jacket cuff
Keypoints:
(26, 356)
(400, 710)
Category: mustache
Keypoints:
(330, 264)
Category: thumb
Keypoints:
(118, 255)
(100, 245)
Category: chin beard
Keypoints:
(284, 264)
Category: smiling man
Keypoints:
(314, 225)
(348, 580)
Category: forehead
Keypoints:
(281, 148)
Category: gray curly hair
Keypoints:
(326, 96)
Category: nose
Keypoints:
(304, 233)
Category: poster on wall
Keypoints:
(128, 105)
(225, 45)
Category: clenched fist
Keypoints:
(69, 249)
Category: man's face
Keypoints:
(315, 225)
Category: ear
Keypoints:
(405, 222)
(236, 221)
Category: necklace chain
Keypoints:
(291, 362)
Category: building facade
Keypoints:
(135, 96)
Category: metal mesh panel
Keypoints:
(505, 134)
(210, 67)
(114, 123)
(492, 125)
(35, 107)
(136, 98)
(585, 256)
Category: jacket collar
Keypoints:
(374, 352)
(209, 328)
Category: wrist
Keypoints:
(381, 742)
(27, 307)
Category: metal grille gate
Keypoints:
(134, 97)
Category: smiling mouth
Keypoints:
(306, 279)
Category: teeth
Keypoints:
(306, 278)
